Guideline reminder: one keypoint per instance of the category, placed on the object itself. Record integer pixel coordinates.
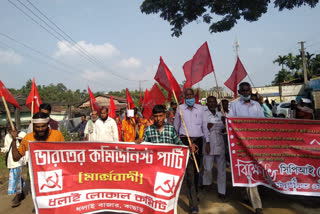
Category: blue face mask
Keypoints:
(245, 98)
(190, 102)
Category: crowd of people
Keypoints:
(204, 126)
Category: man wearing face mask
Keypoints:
(245, 107)
(196, 123)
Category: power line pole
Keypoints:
(305, 76)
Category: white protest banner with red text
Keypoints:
(281, 154)
(78, 177)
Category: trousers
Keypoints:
(208, 161)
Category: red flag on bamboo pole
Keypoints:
(238, 74)
(155, 97)
(93, 103)
(145, 98)
(7, 96)
(112, 108)
(199, 66)
(34, 97)
(165, 78)
(197, 97)
(130, 103)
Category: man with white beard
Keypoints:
(89, 131)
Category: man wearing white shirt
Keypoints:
(106, 127)
(245, 107)
(90, 129)
(15, 179)
(217, 148)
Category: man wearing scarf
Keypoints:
(41, 132)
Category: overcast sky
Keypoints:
(121, 46)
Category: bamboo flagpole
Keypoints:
(185, 127)
(221, 106)
(8, 112)
(32, 105)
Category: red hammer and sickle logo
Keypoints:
(170, 188)
(54, 183)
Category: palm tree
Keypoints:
(282, 76)
(281, 60)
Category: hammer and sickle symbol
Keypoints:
(170, 188)
(55, 183)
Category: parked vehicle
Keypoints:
(283, 110)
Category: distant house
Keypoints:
(59, 112)
(104, 100)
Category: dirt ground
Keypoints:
(273, 202)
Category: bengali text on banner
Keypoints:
(78, 177)
(281, 154)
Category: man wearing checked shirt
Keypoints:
(160, 132)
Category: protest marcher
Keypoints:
(15, 175)
(245, 107)
(129, 128)
(119, 126)
(106, 127)
(173, 109)
(225, 106)
(266, 110)
(303, 110)
(292, 111)
(90, 129)
(267, 103)
(217, 148)
(274, 108)
(81, 127)
(46, 108)
(196, 123)
(160, 131)
(41, 132)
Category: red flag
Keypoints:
(140, 99)
(238, 74)
(145, 98)
(165, 78)
(112, 108)
(130, 103)
(197, 97)
(199, 66)
(35, 97)
(7, 96)
(93, 103)
(155, 97)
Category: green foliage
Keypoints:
(3, 161)
(67, 136)
(53, 93)
(291, 67)
(179, 13)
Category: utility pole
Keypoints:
(305, 76)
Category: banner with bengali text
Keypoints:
(83, 177)
(281, 154)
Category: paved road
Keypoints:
(273, 202)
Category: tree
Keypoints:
(281, 76)
(179, 13)
(281, 60)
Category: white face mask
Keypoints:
(245, 98)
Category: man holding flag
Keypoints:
(46, 108)
(196, 123)
(41, 132)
